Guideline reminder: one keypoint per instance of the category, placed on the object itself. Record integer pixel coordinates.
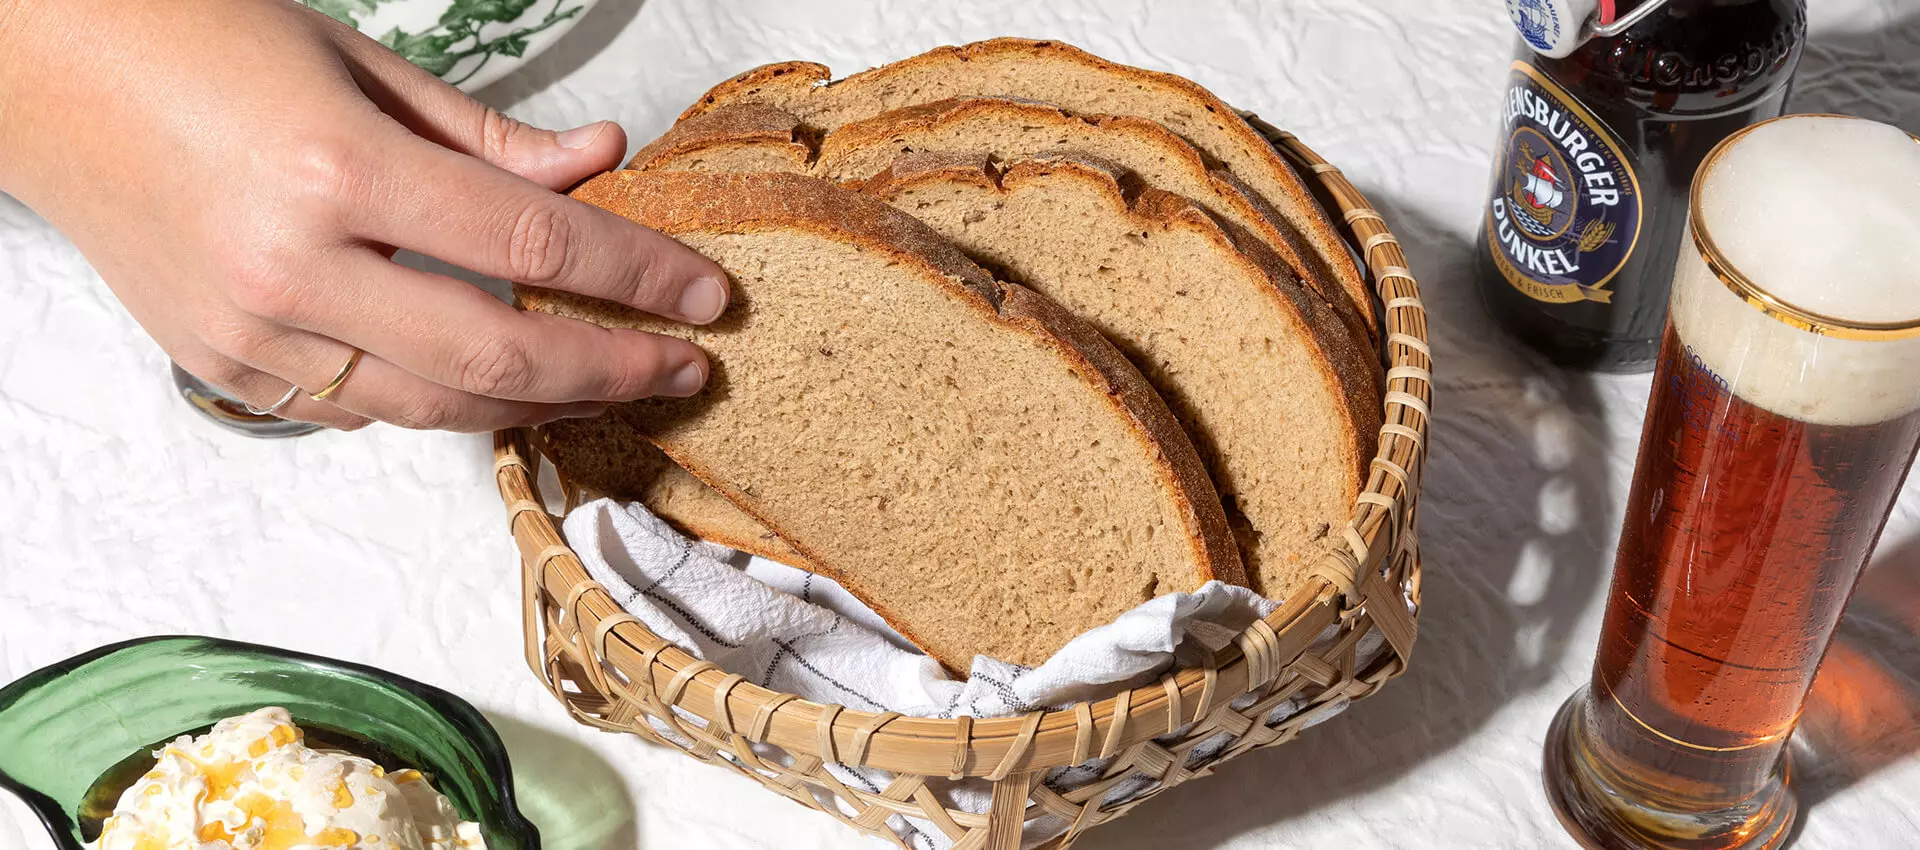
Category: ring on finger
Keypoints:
(292, 393)
(346, 370)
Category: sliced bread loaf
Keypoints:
(1282, 407)
(961, 453)
(756, 137)
(1057, 73)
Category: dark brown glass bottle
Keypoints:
(1589, 199)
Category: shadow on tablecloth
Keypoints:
(575, 797)
(1517, 525)
(1518, 529)
(1864, 712)
(595, 33)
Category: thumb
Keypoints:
(440, 113)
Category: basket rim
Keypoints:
(1360, 581)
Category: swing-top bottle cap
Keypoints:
(1552, 27)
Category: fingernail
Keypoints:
(584, 411)
(686, 380)
(580, 137)
(703, 300)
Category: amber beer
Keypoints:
(1781, 514)
(1776, 441)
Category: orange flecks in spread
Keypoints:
(215, 831)
(342, 798)
(231, 793)
(221, 777)
(280, 826)
(335, 836)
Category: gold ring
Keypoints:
(334, 385)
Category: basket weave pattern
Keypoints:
(611, 672)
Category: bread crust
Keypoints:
(605, 456)
(747, 124)
(690, 202)
(1350, 372)
(1343, 364)
(755, 126)
(808, 90)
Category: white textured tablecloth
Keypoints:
(125, 515)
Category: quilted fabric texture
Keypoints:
(126, 515)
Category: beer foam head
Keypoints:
(1822, 213)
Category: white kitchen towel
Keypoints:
(794, 632)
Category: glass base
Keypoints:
(230, 413)
(1602, 814)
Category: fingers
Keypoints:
(373, 390)
(383, 391)
(442, 114)
(475, 188)
(453, 334)
(478, 217)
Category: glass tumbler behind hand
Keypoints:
(233, 414)
(1784, 416)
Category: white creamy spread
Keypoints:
(253, 784)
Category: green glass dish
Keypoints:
(66, 726)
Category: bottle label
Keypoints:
(1565, 212)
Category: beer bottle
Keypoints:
(1611, 105)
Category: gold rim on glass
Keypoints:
(1750, 292)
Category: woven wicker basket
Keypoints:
(611, 672)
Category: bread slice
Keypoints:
(1282, 519)
(606, 456)
(962, 454)
(757, 137)
(1061, 74)
(1281, 406)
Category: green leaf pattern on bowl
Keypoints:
(467, 30)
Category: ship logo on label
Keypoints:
(1538, 189)
(1565, 209)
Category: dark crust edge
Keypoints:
(811, 79)
(749, 124)
(742, 124)
(1276, 229)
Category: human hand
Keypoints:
(241, 172)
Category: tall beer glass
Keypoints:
(1784, 415)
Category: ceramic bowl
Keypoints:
(469, 43)
(69, 724)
